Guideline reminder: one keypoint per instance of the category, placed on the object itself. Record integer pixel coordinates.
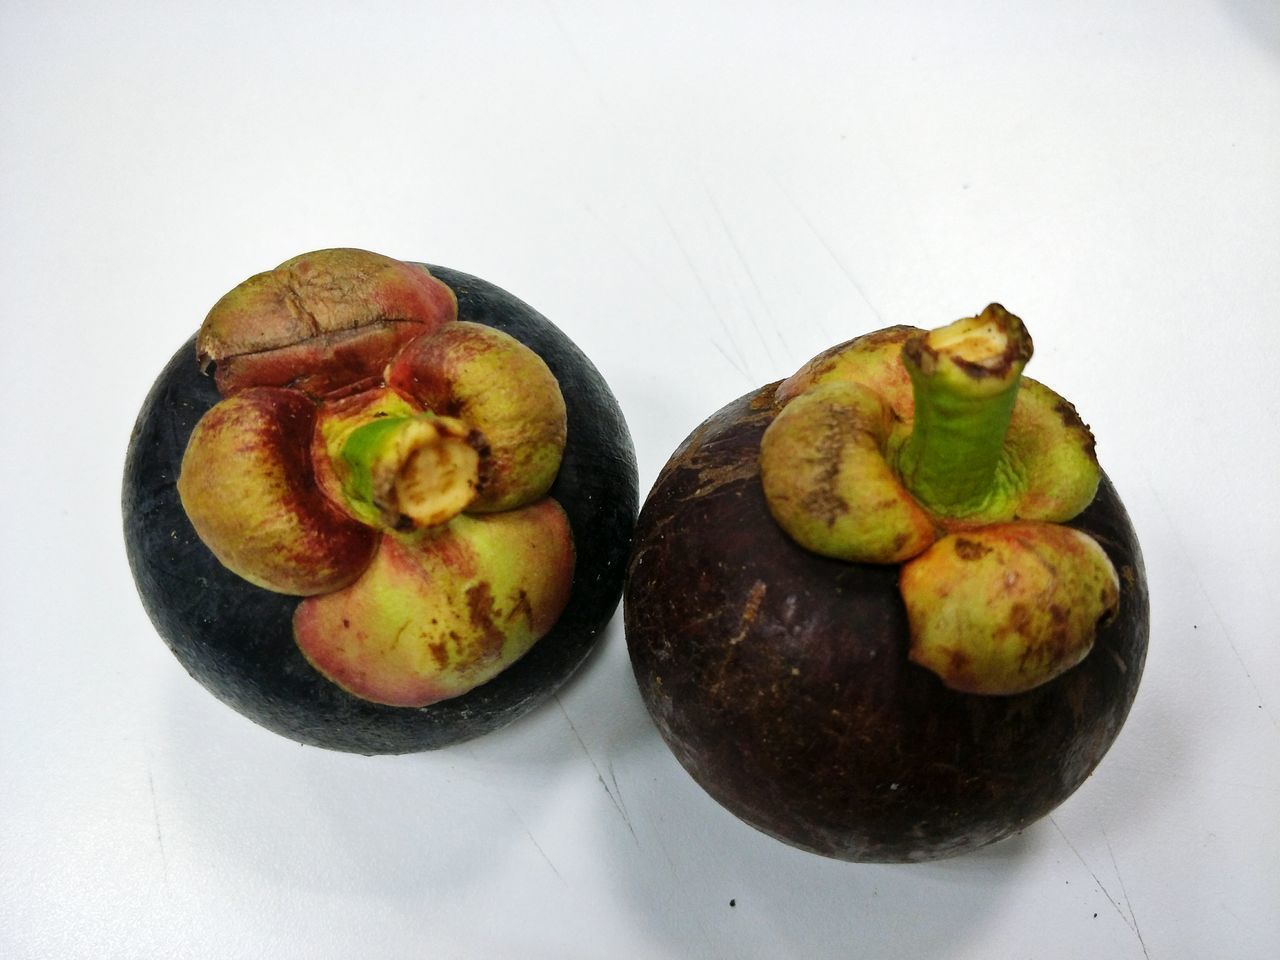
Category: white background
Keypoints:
(702, 195)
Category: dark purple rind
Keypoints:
(237, 639)
(781, 682)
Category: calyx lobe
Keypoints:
(322, 319)
(932, 445)
(360, 428)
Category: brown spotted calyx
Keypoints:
(931, 450)
(1000, 608)
(388, 463)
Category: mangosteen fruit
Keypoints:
(395, 517)
(890, 609)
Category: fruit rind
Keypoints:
(780, 681)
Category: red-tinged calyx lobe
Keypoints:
(360, 427)
(440, 613)
(248, 487)
(502, 390)
(321, 322)
(887, 443)
(1006, 608)
(329, 365)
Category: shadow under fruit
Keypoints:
(397, 515)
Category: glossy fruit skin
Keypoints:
(780, 678)
(237, 639)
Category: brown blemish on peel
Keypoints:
(711, 474)
(749, 612)
(712, 478)
(959, 662)
(487, 637)
(1019, 617)
(521, 609)
(1071, 420)
(763, 398)
(821, 500)
(1067, 413)
(967, 549)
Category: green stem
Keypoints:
(417, 471)
(965, 378)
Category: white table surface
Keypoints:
(702, 195)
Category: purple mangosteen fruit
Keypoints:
(890, 609)
(394, 518)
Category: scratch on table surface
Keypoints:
(1213, 607)
(470, 751)
(572, 47)
(1098, 882)
(745, 368)
(1222, 904)
(751, 277)
(720, 350)
(532, 839)
(652, 275)
(155, 813)
(1125, 893)
(830, 250)
(617, 804)
(679, 885)
(1190, 778)
(617, 792)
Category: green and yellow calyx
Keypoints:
(1004, 608)
(828, 480)
(963, 479)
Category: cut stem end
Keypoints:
(965, 379)
(415, 471)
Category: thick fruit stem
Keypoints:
(965, 378)
(418, 471)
